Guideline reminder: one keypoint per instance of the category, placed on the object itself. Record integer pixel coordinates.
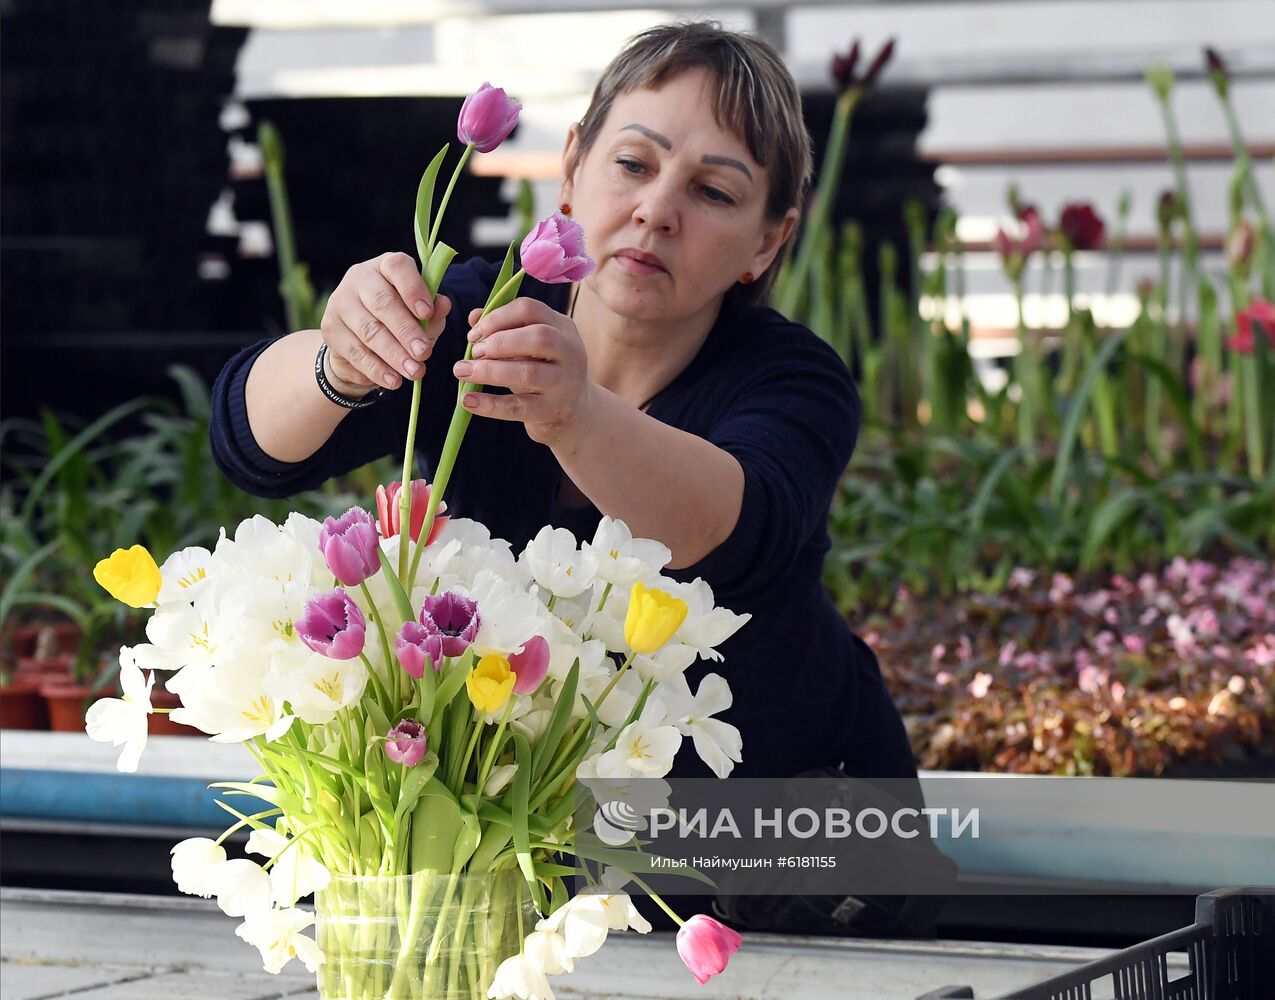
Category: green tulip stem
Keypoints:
(455, 436)
(490, 758)
(655, 896)
(447, 195)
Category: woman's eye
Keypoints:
(630, 166)
(715, 195)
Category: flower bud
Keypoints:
(486, 118)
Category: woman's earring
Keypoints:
(565, 208)
(746, 278)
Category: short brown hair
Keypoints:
(756, 97)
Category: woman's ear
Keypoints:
(774, 236)
(570, 161)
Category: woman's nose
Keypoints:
(657, 208)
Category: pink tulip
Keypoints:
(486, 118)
(454, 617)
(415, 645)
(333, 625)
(1258, 313)
(706, 946)
(390, 516)
(405, 743)
(553, 252)
(349, 546)
(531, 665)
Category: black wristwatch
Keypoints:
(321, 376)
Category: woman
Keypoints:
(657, 390)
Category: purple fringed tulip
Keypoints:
(405, 743)
(554, 251)
(486, 118)
(416, 645)
(349, 545)
(454, 618)
(333, 625)
(706, 946)
(531, 665)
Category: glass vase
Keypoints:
(428, 936)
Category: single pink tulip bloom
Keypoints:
(415, 645)
(332, 625)
(553, 252)
(1258, 313)
(486, 118)
(706, 946)
(405, 743)
(390, 516)
(349, 545)
(531, 665)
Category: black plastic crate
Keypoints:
(1230, 949)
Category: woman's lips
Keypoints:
(638, 267)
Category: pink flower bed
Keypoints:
(1051, 676)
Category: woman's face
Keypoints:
(672, 204)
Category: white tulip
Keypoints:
(499, 779)
(556, 563)
(297, 873)
(319, 688)
(185, 575)
(242, 888)
(584, 921)
(507, 617)
(620, 559)
(230, 701)
(195, 863)
(123, 720)
(547, 951)
(718, 743)
(517, 977)
(277, 935)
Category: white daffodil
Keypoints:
(556, 564)
(620, 559)
(706, 626)
(185, 575)
(230, 701)
(718, 743)
(195, 863)
(507, 617)
(242, 888)
(547, 951)
(297, 873)
(277, 935)
(123, 720)
(517, 977)
(319, 687)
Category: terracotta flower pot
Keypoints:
(56, 638)
(46, 668)
(21, 706)
(67, 700)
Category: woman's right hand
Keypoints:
(372, 323)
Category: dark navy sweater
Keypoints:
(807, 692)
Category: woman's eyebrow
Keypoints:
(725, 161)
(650, 134)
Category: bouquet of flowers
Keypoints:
(422, 704)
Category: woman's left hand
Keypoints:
(537, 354)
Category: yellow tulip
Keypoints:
(652, 619)
(490, 683)
(130, 576)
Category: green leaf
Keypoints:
(521, 794)
(443, 834)
(439, 260)
(1075, 410)
(547, 746)
(397, 594)
(1111, 513)
(593, 849)
(424, 207)
(987, 488)
(452, 683)
(414, 782)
